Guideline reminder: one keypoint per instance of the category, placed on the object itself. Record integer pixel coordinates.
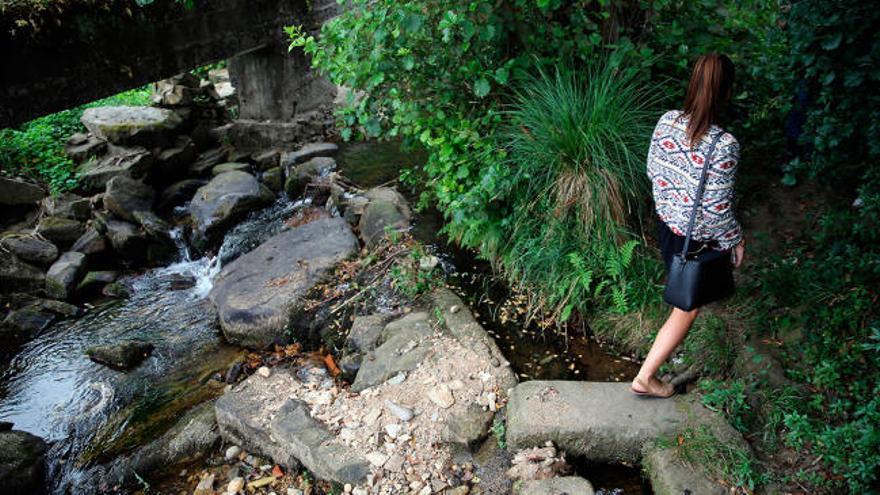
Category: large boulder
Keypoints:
(61, 231)
(387, 210)
(223, 201)
(134, 162)
(64, 274)
(22, 462)
(257, 293)
(18, 276)
(31, 249)
(144, 126)
(14, 192)
(126, 196)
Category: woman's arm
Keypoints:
(719, 217)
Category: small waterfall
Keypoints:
(202, 270)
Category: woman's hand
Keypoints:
(739, 252)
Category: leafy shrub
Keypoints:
(835, 46)
(828, 291)
(441, 75)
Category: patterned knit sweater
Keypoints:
(674, 169)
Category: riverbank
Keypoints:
(287, 305)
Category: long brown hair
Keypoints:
(708, 91)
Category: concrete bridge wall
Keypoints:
(87, 52)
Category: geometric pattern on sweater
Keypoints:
(674, 168)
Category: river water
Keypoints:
(90, 413)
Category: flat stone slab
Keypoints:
(404, 345)
(135, 162)
(461, 324)
(565, 485)
(307, 152)
(253, 416)
(257, 293)
(130, 125)
(603, 422)
(315, 447)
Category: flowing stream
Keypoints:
(91, 413)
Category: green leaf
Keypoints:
(412, 23)
(481, 87)
(833, 42)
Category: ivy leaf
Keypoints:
(833, 42)
(828, 79)
(481, 87)
(373, 127)
(502, 75)
(412, 23)
(409, 62)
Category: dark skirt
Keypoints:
(671, 244)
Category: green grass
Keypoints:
(36, 149)
(574, 148)
(721, 460)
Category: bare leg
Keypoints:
(668, 338)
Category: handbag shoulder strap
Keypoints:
(698, 201)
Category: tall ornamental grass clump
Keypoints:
(574, 147)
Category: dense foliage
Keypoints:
(475, 83)
(442, 76)
(835, 47)
(36, 149)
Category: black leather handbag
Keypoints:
(704, 276)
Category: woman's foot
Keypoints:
(652, 387)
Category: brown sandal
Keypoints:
(664, 392)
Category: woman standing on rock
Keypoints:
(685, 144)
